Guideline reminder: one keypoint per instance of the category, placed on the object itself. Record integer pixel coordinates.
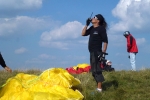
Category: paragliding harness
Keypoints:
(104, 63)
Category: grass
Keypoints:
(119, 85)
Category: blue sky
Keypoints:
(40, 34)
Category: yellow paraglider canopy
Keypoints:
(52, 84)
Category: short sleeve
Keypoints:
(88, 31)
(104, 35)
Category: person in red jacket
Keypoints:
(132, 48)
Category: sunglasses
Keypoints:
(95, 17)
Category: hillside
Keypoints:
(119, 85)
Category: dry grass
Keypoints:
(119, 85)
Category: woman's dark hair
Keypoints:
(102, 20)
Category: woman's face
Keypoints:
(95, 20)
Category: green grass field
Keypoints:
(119, 85)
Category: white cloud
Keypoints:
(9, 8)
(34, 61)
(20, 50)
(132, 14)
(20, 4)
(62, 36)
(84, 41)
(120, 40)
(46, 56)
(41, 59)
(140, 41)
(23, 25)
(116, 40)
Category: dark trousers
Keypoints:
(2, 62)
(95, 66)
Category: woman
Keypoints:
(97, 39)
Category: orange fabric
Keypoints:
(79, 69)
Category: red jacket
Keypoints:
(131, 44)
